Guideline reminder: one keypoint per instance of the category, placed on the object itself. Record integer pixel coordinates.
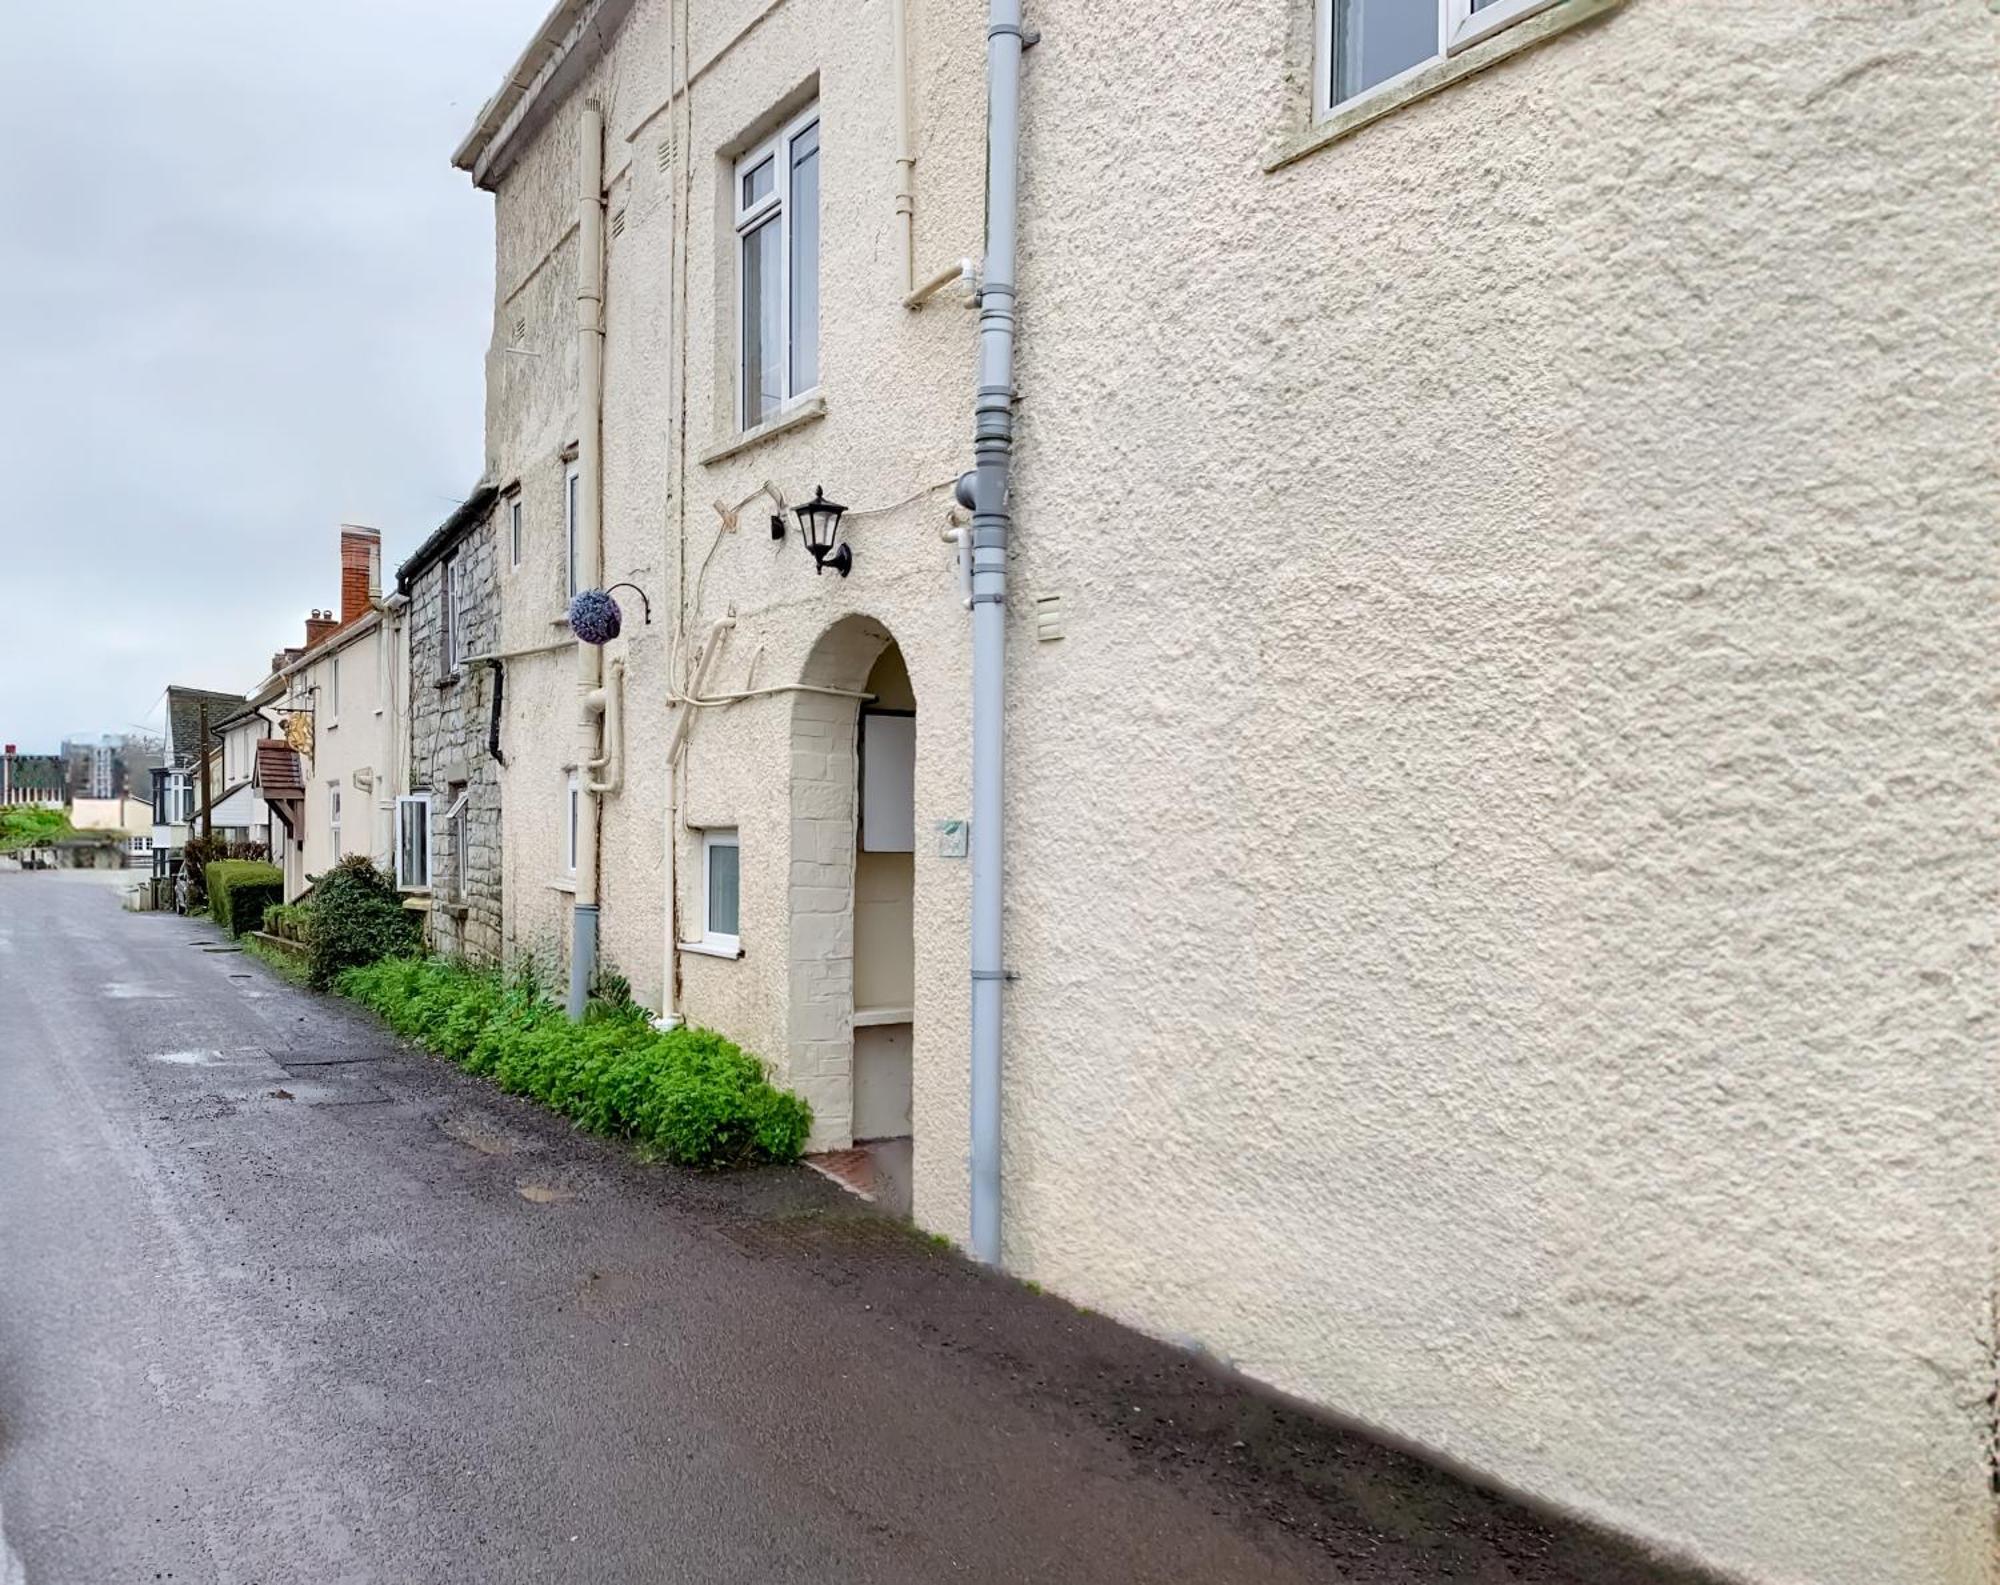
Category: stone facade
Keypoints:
(449, 710)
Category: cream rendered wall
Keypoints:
(1500, 869)
(1496, 867)
(355, 744)
(895, 388)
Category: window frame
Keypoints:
(728, 943)
(514, 529)
(404, 803)
(1459, 28)
(459, 830)
(333, 690)
(747, 218)
(333, 816)
(572, 493)
(448, 617)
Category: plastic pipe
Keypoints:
(906, 154)
(589, 535)
(993, 461)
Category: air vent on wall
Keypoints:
(520, 332)
(618, 222)
(667, 152)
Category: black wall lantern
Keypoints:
(819, 526)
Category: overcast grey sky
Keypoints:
(243, 297)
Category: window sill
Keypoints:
(801, 412)
(447, 682)
(417, 902)
(566, 884)
(1371, 107)
(712, 949)
(872, 1017)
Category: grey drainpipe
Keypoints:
(993, 457)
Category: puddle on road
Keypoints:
(483, 1140)
(189, 1059)
(127, 991)
(544, 1194)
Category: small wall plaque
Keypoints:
(951, 838)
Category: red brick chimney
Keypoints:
(318, 625)
(360, 570)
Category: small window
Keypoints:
(333, 690)
(721, 876)
(1365, 44)
(514, 529)
(777, 250)
(459, 828)
(572, 489)
(333, 816)
(413, 842)
(448, 616)
(574, 803)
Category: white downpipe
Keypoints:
(993, 459)
(590, 537)
(906, 151)
(614, 731)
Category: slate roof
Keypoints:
(184, 716)
(448, 533)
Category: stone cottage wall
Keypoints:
(448, 745)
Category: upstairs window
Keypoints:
(777, 250)
(448, 617)
(514, 529)
(1367, 44)
(333, 688)
(572, 484)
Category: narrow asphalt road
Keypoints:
(282, 1300)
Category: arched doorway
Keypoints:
(853, 889)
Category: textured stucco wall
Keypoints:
(359, 739)
(1499, 866)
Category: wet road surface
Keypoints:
(282, 1299)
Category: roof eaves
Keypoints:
(471, 512)
(572, 37)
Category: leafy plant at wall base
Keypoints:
(239, 890)
(355, 918)
(690, 1094)
(289, 922)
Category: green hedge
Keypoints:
(690, 1094)
(239, 890)
(355, 917)
(289, 922)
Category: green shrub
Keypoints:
(239, 890)
(690, 1094)
(288, 922)
(356, 918)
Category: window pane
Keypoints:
(514, 530)
(1373, 40)
(804, 216)
(569, 519)
(723, 865)
(763, 333)
(757, 182)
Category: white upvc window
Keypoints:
(450, 616)
(572, 487)
(1370, 45)
(514, 529)
(333, 817)
(573, 803)
(777, 270)
(460, 830)
(413, 842)
(333, 692)
(721, 892)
